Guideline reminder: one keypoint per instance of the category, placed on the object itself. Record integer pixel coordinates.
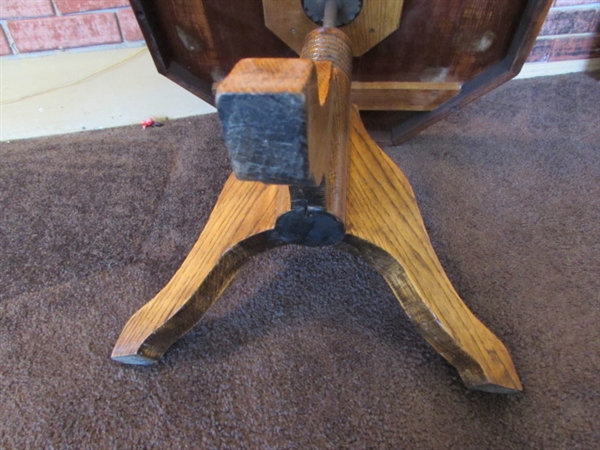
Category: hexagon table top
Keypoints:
(444, 53)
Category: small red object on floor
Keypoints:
(150, 123)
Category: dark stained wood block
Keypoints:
(265, 107)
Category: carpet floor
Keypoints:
(308, 348)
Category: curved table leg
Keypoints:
(385, 227)
(240, 226)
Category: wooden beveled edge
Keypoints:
(406, 85)
(243, 210)
(384, 225)
(154, 346)
(505, 70)
(402, 96)
(469, 369)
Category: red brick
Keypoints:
(12, 9)
(575, 48)
(542, 50)
(574, 2)
(4, 47)
(71, 6)
(65, 32)
(571, 22)
(129, 26)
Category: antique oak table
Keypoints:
(306, 170)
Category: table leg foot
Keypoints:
(385, 227)
(240, 226)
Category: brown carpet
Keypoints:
(308, 347)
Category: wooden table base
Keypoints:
(383, 226)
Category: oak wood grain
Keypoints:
(402, 96)
(479, 43)
(364, 189)
(331, 44)
(385, 227)
(239, 227)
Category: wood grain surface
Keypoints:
(385, 227)
(479, 43)
(331, 44)
(363, 188)
(239, 227)
(438, 40)
(402, 96)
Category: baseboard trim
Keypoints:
(542, 69)
(87, 91)
(109, 88)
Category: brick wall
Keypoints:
(572, 30)
(28, 26)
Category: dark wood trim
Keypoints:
(523, 40)
(473, 89)
(527, 33)
(191, 82)
(159, 49)
(146, 18)
(386, 127)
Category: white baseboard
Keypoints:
(75, 91)
(541, 69)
